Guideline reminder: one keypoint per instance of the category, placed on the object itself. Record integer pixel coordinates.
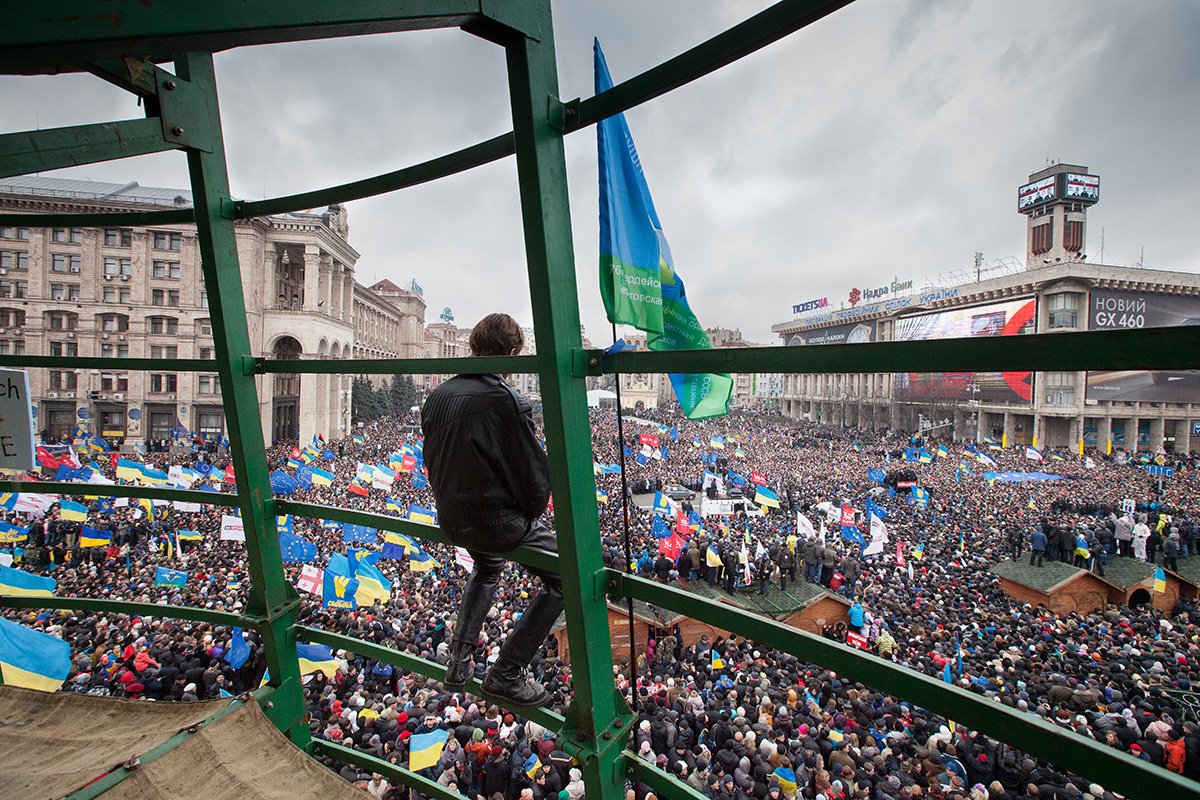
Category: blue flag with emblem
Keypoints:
(296, 548)
(875, 475)
(660, 529)
(239, 650)
(174, 578)
(339, 590)
(638, 281)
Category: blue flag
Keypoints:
(239, 651)
(638, 281)
(296, 548)
(358, 533)
(851, 533)
(420, 481)
(660, 528)
(304, 477)
(174, 578)
(338, 589)
(875, 475)
(32, 659)
(282, 483)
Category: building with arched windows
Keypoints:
(132, 292)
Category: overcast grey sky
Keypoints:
(885, 141)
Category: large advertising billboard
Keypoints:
(852, 333)
(1115, 310)
(1009, 318)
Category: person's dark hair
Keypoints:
(496, 335)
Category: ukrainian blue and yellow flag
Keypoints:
(93, 537)
(765, 497)
(395, 505)
(717, 661)
(397, 545)
(190, 536)
(19, 583)
(786, 778)
(943, 451)
(424, 749)
(128, 470)
(532, 765)
(924, 457)
(316, 658)
(421, 514)
(322, 477)
(32, 659)
(662, 504)
(421, 561)
(857, 447)
(1160, 580)
(12, 533)
(601, 497)
(153, 476)
(72, 512)
(372, 586)
(717, 443)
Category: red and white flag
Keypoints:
(311, 579)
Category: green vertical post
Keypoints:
(595, 723)
(272, 599)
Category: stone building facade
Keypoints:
(138, 292)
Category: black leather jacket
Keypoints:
(487, 469)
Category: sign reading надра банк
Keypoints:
(16, 421)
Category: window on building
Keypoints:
(204, 298)
(110, 350)
(1064, 310)
(66, 235)
(113, 323)
(65, 262)
(64, 291)
(114, 382)
(168, 240)
(163, 382)
(116, 294)
(64, 348)
(62, 321)
(118, 237)
(207, 353)
(11, 288)
(289, 282)
(210, 424)
(118, 267)
(166, 269)
(208, 384)
(12, 318)
(20, 234)
(63, 380)
(12, 347)
(14, 260)
(164, 325)
(1060, 388)
(164, 351)
(164, 297)
(204, 327)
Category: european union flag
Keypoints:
(420, 481)
(736, 479)
(642, 459)
(296, 548)
(358, 533)
(304, 477)
(282, 483)
(851, 533)
(674, 434)
(875, 475)
(239, 651)
(660, 529)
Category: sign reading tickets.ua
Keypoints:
(16, 421)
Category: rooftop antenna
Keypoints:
(978, 266)
(1102, 246)
(1142, 258)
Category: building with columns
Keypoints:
(1058, 289)
(129, 292)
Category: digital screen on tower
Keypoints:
(1009, 318)
(1082, 187)
(1038, 192)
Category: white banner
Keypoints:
(464, 559)
(36, 504)
(311, 579)
(190, 508)
(231, 528)
(804, 526)
(177, 477)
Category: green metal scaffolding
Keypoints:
(123, 43)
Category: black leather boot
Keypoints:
(506, 682)
(460, 668)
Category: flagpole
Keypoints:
(625, 499)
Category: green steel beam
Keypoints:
(60, 38)
(390, 366)
(420, 666)
(125, 490)
(56, 148)
(98, 606)
(386, 522)
(1119, 772)
(767, 27)
(421, 784)
(1149, 348)
(121, 772)
(109, 364)
(271, 596)
(476, 155)
(101, 219)
(545, 213)
(136, 75)
(662, 783)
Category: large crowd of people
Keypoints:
(733, 718)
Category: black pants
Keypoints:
(533, 627)
(1035, 556)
